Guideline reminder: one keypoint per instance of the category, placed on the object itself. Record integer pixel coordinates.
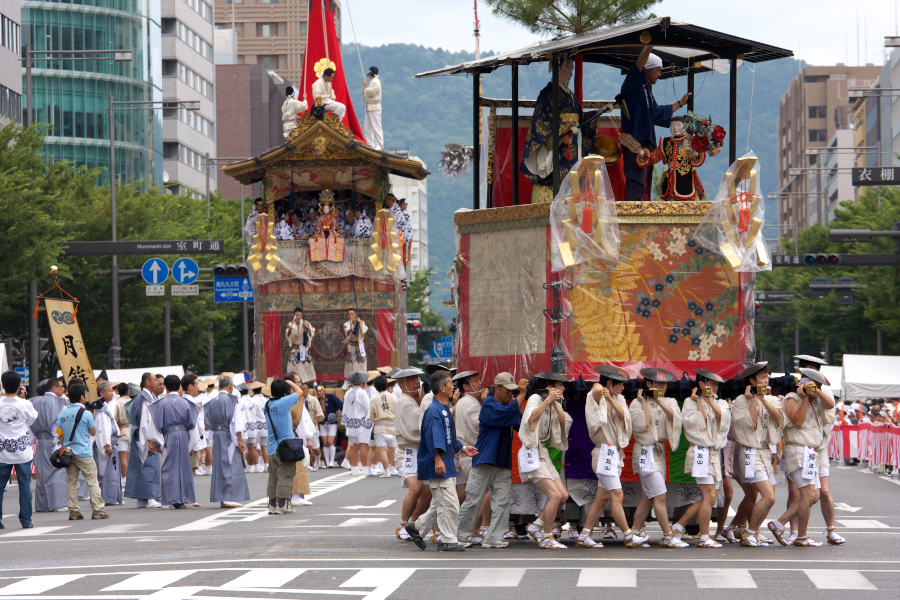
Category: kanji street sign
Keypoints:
(787, 260)
(185, 290)
(156, 290)
(133, 247)
(233, 289)
(875, 176)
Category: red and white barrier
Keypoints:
(877, 444)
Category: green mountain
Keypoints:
(422, 115)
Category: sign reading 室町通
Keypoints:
(233, 289)
(70, 350)
(875, 176)
(131, 247)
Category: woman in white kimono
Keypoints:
(706, 421)
(544, 422)
(758, 420)
(609, 425)
(654, 421)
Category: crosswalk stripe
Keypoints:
(838, 579)
(723, 578)
(385, 581)
(149, 580)
(263, 578)
(493, 578)
(34, 531)
(124, 528)
(862, 524)
(38, 584)
(610, 577)
(175, 593)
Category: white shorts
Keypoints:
(313, 442)
(708, 480)
(824, 471)
(610, 482)
(328, 429)
(359, 436)
(385, 439)
(758, 477)
(406, 462)
(797, 477)
(122, 445)
(652, 484)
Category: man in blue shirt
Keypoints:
(640, 116)
(81, 446)
(280, 428)
(437, 447)
(492, 468)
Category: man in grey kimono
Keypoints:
(106, 446)
(174, 417)
(222, 417)
(50, 484)
(142, 481)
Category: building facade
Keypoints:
(416, 194)
(72, 95)
(834, 180)
(188, 75)
(815, 106)
(10, 52)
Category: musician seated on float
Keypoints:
(323, 92)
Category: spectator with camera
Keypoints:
(77, 425)
(16, 444)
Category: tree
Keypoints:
(418, 297)
(570, 16)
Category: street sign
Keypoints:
(413, 315)
(233, 289)
(155, 271)
(23, 373)
(410, 344)
(145, 247)
(156, 290)
(185, 271)
(875, 176)
(431, 329)
(185, 290)
(772, 296)
(442, 349)
(787, 260)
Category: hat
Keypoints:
(814, 375)
(201, 386)
(710, 375)
(257, 385)
(358, 377)
(658, 375)
(653, 62)
(393, 373)
(810, 358)
(373, 375)
(103, 375)
(386, 370)
(614, 373)
(430, 369)
(506, 380)
(410, 372)
(464, 375)
(551, 376)
(242, 387)
(754, 368)
(266, 391)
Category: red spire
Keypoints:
(323, 42)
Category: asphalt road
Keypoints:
(344, 547)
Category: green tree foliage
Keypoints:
(570, 16)
(44, 206)
(418, 299)
(825, 325)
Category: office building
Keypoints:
(72, 95)
(188, 75)
(815, 106)
(10, 51)
(416, 194)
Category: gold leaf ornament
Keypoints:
(322, 64)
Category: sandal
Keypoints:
(729, 535)
(834, 539)
(672, 541)
(548, 543)
(708, 543)
(807, 542)
(534, 532)
(748, 539)
(586, 541)
(779, 531)
(401, 534)
(719, 537)
(635, 540)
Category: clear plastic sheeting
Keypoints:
(732, 228)
(583, 224)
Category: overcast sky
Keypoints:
(821, 32)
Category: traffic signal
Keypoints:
(230, 270)
(413, 326)
(822, 260)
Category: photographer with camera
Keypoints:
(77, 425)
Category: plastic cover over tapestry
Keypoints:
(732, 228)
(583, 222)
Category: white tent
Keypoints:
(871, 377)
(833, 374)
(134, 375)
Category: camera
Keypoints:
(761, 389)
(811, 389)
(95, 405)
(655, 393)
(706, 391)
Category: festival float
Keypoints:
(323, 167)
(565, 275)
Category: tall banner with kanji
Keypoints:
(70, 350)
(323, 48)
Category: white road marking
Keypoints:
(846, 507)
(34, 531)
(890, 479)
(362, 521)
(150, 580)
(385, 581)
(263, 578)
(863, 524)
(610, 577)
(838, 579)
(382, 504)
(723, 578)
(114, 529)
(493, 578)
(174, 593)
(38, 584)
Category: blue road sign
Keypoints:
(155, 271)
(442, 349)
(185, 271)
(233, 289)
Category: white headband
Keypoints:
(653, 61)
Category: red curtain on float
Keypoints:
(323, 42)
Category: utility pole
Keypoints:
(34, 350)
(115, 347)
(167, 333)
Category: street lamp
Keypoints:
(115, 349)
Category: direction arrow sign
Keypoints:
(155, 271)
(185, 271)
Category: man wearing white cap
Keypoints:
(640, 115)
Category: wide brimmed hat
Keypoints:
(710, 375)
(358, 377)
(814, 375)
(612, 372)
(385, 370)
(464, 375)
(551, 376)
(754, 369)
(810, 358)
(410, 372)
(658, 375)
(432, 368)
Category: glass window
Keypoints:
(817, 112)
